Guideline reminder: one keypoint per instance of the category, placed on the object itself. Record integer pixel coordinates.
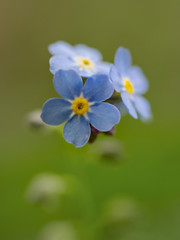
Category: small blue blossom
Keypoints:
(131, 83)
(81, 58)
(80, 106)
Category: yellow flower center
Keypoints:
(128, 86)
(84, 63)
(80, 106)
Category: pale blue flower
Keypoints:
(80, 106)
(81, 58)
(131, 83)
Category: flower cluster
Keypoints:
(92, 91)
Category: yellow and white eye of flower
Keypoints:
(80, 106)
(128, 86)
(84, 63)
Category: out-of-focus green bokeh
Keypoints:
(150, 172)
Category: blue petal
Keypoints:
(143, 107)
(116, 79)
(85, 51)
(60, 62)
(61, 48)
(103, 116)
(85, 72)
(122, 60)
(138, 79)
(129, 104)
(103, 67)
(56, 111)
(77, 131)
(68, 83)
(98, 88)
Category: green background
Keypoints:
(149, 174)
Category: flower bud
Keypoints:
(33, 120)
(46, 189)
(110, 149)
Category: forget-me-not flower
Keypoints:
(80, 106)
(81, 58)
(131, 83)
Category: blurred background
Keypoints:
(132, 193)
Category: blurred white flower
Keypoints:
(34, 121)
(46, 188)
(58, 231)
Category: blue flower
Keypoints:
(81, 58)
(80, 106)
(131, 83)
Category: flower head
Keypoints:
(80, 106)
(81, 58)
(131, 83)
